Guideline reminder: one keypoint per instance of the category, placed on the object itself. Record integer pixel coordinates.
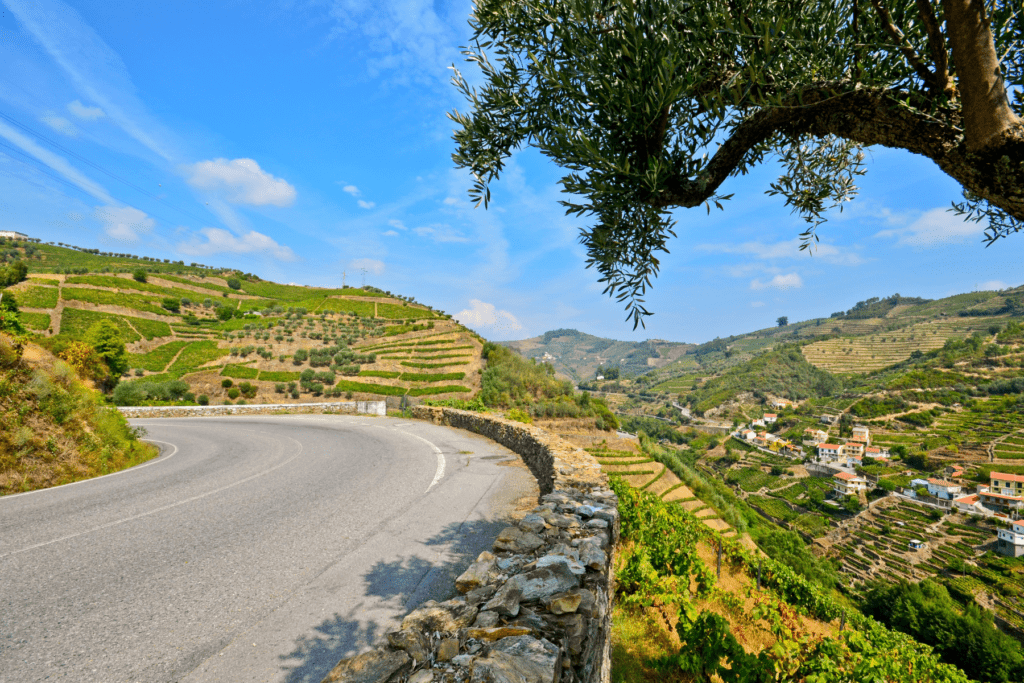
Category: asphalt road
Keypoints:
(252, 549)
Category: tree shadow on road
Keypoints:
(403, 584)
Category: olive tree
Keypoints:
(652, 105)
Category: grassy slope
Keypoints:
(54, 429)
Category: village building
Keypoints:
(971, 504)
(829, 450)
(853, 448)
(953, 471)
(11, 234)
(940, 488)
(1011, 541)
(860, 433)
(770, 418)
(1007, 484)
(748, 434)
(847, 484)
(780, 404)
(829, 419)
(815, 435)
(1001, 502)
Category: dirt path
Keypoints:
(57, 314)
(171, 362)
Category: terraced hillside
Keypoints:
(876, 348)
(230, 336)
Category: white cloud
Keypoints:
(395, 223)
(61, 125)
(352, 190)
(390, 233)
(756, 304)
(791, 281)
(371, 265)
(124, 223)
(451, 201)
(221, 241)
(935, 227)
(365, 205)
(84, 112)
(786, 249)
(243, 181)
(440, 232)
(483, 314)
(991, 286)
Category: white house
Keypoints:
(829, 450)
(1011, 541)
(940, 488)
(770, 418)
(780, 404)
(758, 423)
(847, 484)
(748, 434)
(860, 433)
(11, 234)
(829, 419)
(970, 504)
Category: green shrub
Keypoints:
(519, 416)
(171, 304)
(139, 275)
(248, 390)
(226, 383)
(234, 283)
(203, 400)
(234, 393)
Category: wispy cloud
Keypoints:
(934, 228)
(57, 163)
(125, 224)
(409, 40)
(61, 125)
(218, 241)
(483, 314)
(368, 264)
(242, 181)
(390, 233)
(790, 281)
(789, 249)
(84, 112)
(440, 232)
(93, 68)
(365, 205)
(352, 190)
(756, 304)
(991, 286)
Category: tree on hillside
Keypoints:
(782, 321)
(106, 340)
(653, 104)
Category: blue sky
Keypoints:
(300, 140)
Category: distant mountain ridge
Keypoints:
(872, 334)
(579, 355)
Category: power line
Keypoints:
(99, 168)
(46, 173)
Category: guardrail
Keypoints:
(355, 407)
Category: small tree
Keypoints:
(140, 275)
(171, 304)
(234, 283)
(106, 340)
(782, 321)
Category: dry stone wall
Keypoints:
(535, 610)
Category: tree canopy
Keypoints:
(651, 105)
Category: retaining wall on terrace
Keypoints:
(537, 609)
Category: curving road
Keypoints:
(253, 549)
